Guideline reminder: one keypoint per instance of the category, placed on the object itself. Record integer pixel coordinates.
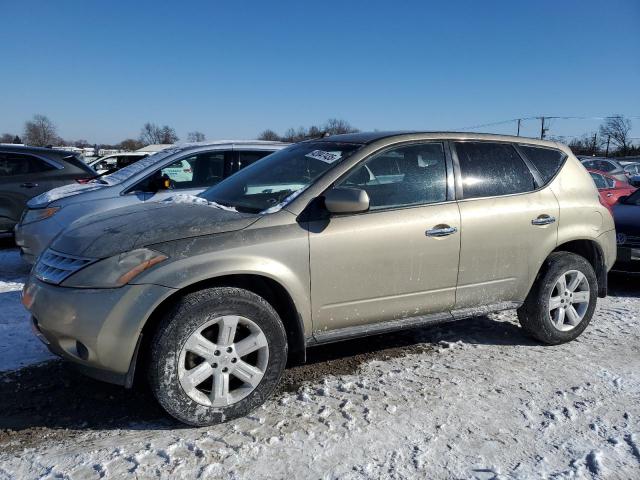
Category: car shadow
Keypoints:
(53, 395)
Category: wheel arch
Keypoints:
(592, 252)
(269, 289)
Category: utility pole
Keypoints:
(541, 128)
(518, 127)
(606, 154)
(595, 144)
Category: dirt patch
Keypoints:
(53, 401)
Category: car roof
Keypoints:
(370, 137)
(7, 147)
(228, 143)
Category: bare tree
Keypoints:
(195, 137)
(270, 135)
(40, 132)
(617, 129)
(335, 126)
(588, 144)
(154, 134)
(6, 138)
(130, 144)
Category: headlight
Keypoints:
(115, 271)
(33, 215)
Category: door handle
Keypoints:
(543, 220)
(609, 194)
(441, 231)
(29, 185)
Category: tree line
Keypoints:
(613, 137)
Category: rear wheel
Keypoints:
(562, 300)
(216, 355)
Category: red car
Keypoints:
(610, 189)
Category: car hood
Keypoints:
(46, 198)
(123, 229)
(627, 218)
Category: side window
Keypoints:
(546, 160)
(633, 169)
(201, 170)
(13, 164)
(492, 169)
(605, 166)
(247, 158)
(404, 176)
(598, 180)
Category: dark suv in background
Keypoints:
(29, 171)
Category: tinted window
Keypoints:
(411, 175)
(490, 169)
(599, 180)
(201, 170)
(248, 157)
(12, 164)
(546, 160)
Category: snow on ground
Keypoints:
(473, 399)
(18, 345)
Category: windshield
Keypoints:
(270, 183)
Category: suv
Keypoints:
(186, 169)
(328, 239)
(28, 171)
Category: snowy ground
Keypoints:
(474, 399)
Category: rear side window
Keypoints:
(599, 180)
(492, 169)
(13, 164)
(546, 160)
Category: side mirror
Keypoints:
(346, 200)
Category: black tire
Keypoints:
(534, 313)
(187, 315)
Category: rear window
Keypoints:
(492, 169)
(546, 160)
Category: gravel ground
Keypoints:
(472, 399)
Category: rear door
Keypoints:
(508, 224)
(22, 177)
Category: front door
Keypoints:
(399, 259)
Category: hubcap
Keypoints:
(223, 361)
(569, 300)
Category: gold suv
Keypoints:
(328, 239)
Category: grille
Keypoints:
(54, 267)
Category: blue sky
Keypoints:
(232, 69)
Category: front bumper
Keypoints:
(33, 238)
(98, 329)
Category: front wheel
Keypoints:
(218, 354)
(562, 300)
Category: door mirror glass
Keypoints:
(346, 200)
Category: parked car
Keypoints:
(607, 165)
(29, 171)
(627, 218)
(609, 188)
(308, 246)
(153, 178)
(116, 161)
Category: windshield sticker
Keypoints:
(327, 157)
